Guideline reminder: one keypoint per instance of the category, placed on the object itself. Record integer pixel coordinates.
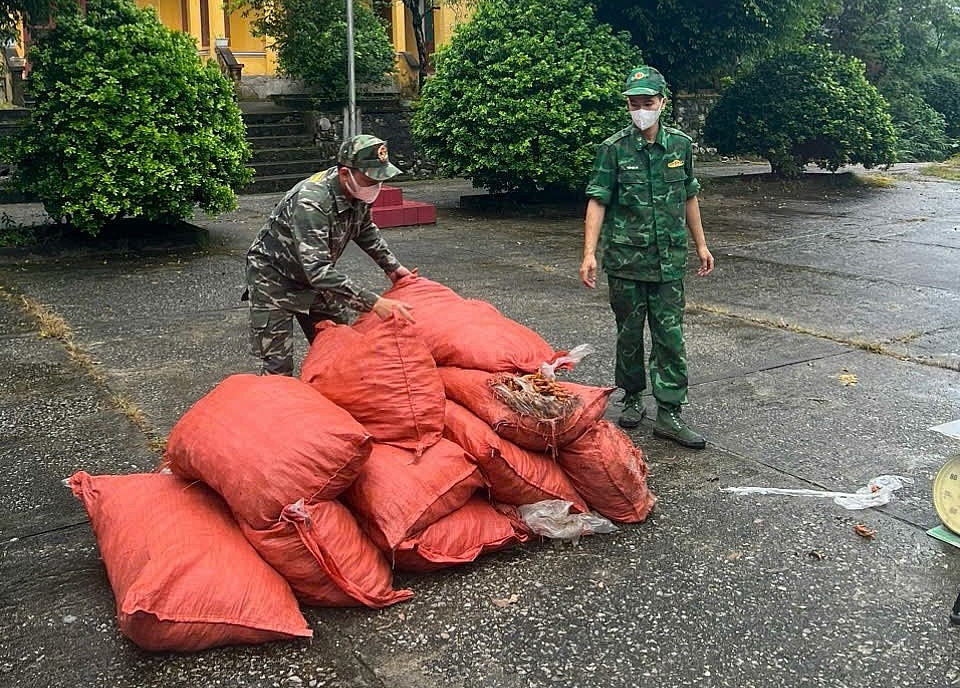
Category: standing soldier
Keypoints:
(291, 266)
(643, 201)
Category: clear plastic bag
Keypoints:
(551, 518)
(877, 492)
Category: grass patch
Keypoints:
(863, 345)
(52, 326)
(878, 180)
(130, 409)
(949, 169)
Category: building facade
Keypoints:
(209, 23)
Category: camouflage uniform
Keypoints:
(291, 265)
(644, 187)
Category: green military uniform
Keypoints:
(644, 187)
(291, 265)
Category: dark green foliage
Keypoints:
(920, 130)
(697, 43)
(523, 94)
(868, 30)
(31, 12)
(128, 122)
(804, 106)
(310, 37)
(941, 91)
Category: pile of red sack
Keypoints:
(393, 451)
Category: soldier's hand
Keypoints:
(706, 262)
(400, 273)
(384, 308)
(588, 271)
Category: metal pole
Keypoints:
(351, 127)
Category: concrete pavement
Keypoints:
(817, 285)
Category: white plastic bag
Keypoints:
(551, 518)
(572, 358)
(877, 492)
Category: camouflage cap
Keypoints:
(369, 155)
(645, 81)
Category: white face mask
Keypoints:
(644, 119)
(367, 194)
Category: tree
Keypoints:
(310, 38)
(941, 90)
(13, 12)
(519, 102)
(128, 122)
(807, 105)
(910, 48)
(868, 30)
(921, 130)
(696, 43)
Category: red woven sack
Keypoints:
(183, 575)
(265, 442)
(515, 475)
(610, 473)
(471, 389)
(398, 494)
(459, 537)
(326, 558)
(385, 378)
(466, 332)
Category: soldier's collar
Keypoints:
(660, 139)
(340, 198)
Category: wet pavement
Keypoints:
(822, 349)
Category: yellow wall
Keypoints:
(257, 58)
(169, 12)
(446, 18)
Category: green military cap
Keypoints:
(645, 81)
(369, 155)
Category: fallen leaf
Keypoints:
(506, 602)
(864, 532)
(847, 379)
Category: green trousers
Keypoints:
(660, 304)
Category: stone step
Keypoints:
(273, 117)
(276, 129)
(302, 167)
(301, 141)
(272, 184)
(266, 155)
(15, 115)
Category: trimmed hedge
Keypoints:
(523, 94)
(128, 122)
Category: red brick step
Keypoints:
(390, 210)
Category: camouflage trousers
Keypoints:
(273, 309)
(660, 304)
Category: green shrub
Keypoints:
(310, 37)
(523, 94)
(128, 122)
(941, 91)
(921, 135)
(802, 106)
